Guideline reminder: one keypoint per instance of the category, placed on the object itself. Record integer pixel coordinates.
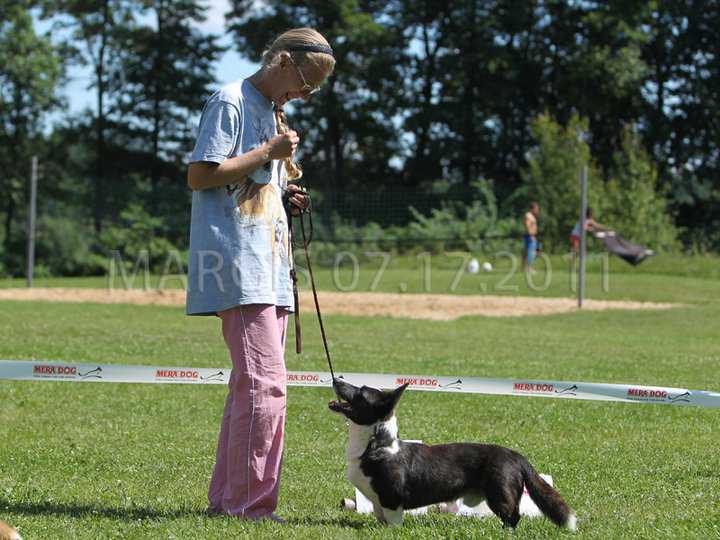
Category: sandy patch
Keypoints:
(443, 307)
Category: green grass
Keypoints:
(133, 461)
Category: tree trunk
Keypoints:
(155, 167)
(98, 194)
(469, 68)
(417, 169)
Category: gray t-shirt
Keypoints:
(239, 250)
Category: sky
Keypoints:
(229, 68)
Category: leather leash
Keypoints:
(293, 276)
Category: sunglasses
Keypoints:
(306, 88)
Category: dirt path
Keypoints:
(411, 306)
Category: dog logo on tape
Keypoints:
(92, 374)
(685, 398)
(214, 377)
(569, 391)
(455, 385)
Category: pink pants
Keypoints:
(246, 477)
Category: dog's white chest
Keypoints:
(360, 481)
(359, 438)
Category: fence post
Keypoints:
(583, 212)
(31, 222)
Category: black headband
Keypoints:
(311, 48)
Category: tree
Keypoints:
(349, 134)
(682, 109)
(95, 28)
(553, 176)
(29, 75)
(424, 26)
(632, 201)
(166, 73)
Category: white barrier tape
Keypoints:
(38, 370)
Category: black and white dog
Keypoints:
(396, 475)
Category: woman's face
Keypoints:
(293, 81)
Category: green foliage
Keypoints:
(30, 72)
(459, 222)
(553, 176)
(355, 142)
(632, 202)
(137, 238)
(63, 247)
(346, 236)
(388, 120)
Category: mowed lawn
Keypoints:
(133, 461)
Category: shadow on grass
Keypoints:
(344, 522)
(80, 510)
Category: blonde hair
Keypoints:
(323, 61)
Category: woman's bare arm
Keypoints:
(595, 226)
(205, 174)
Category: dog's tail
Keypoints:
(548, 499)
(7, 532)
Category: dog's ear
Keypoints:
(398, 392)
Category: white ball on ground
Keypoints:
(473, 266)
(487, 267)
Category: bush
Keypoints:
(632, 202)
(462, 223)
(137, 237)
(63, 248)
(629, 202)
(553, 177)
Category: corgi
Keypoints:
(396, 475)
(7, 532)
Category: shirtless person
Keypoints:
(530, 237)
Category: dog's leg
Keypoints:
(505, 508)
(377, 510)
(393, 518)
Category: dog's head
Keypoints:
(364, 405)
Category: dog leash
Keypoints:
(293, 275)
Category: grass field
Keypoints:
(133, 461)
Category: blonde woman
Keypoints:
(239, 259)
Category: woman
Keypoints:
(239, 259)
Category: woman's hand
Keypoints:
(282, 146)
(297, 198)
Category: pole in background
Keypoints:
(31, 221)
(583, 213)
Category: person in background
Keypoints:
(590, 225)
(530, 238)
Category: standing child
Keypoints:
(239, 259)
